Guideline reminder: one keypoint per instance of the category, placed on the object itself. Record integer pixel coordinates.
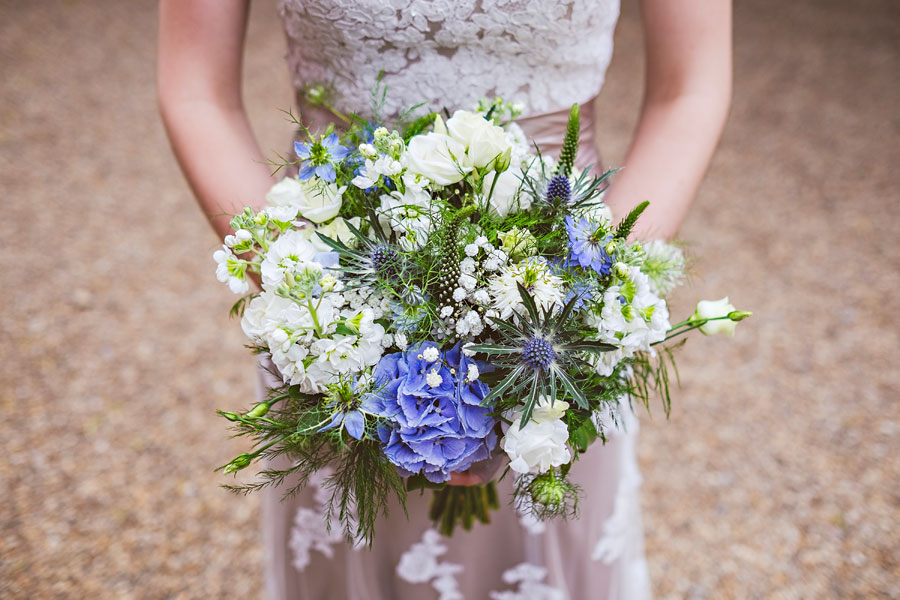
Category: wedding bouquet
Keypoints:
(440, 297)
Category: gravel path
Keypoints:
(776, 477)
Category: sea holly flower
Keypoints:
(320, 157)
(538, 351)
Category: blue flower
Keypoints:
(434, 423)
(349, 414)
(320, 157)
(587, 245)
(351, 420)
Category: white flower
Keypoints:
(664, 265)
(481, 296)
(541, 444)
(231, 270)
(337, 230)
(401, 341)
(472, 372)
(518, 243)
(321, 201)
(710, 309)
(467, 265)
(436, 156)
(287, 253)
(467, 281)
(636, 324)
(408, 213)
(505, 198)
(284, 198)
(433, 378)
(446, 312)
(535, 276)
(483, 141)
(430, 354)
(471, 249)
(459, 295)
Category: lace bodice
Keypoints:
(546, 54)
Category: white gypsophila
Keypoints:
(467, 265)
(289, 252)
(472, 372)
(664, 265)
(534, 274)
(505, 198)
(401, 341)
(408, 213)
(541, 443)
(471, 249)
(431, 353)
(433, 378)
(632, 317)
(459, 294)
(484, 142)
(231, 270)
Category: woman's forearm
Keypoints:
(686, 99)
(219, 156)
(672, 147)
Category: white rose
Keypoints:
(321, 201)
(483, 140)
(336, 230)
(438, 157)
(710, 309)
(506, 198)
(284, 198)
(541, 444)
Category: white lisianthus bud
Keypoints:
(713, 309)
(622, 271)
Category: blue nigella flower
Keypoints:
(434, 423)
(319, 157)
(587, 245)
(348, 415)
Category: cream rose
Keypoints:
(541, 444)
(505, 198)
(438, 157)
(483, 140)
(321, 201)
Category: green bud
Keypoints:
(739, 315)
(621, 270)
(238, 463)
(611, 247)
(258, 411)
(315, 94)
(502, 162)
(230, 416)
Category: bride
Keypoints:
(546, 54)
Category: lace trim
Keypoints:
(544, 53)
(420, 564)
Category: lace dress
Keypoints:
(546, 54)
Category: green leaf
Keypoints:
(530, 402)
(492, 349)
(498, 390)
(594, 347)
(583, 436)
(572, 388)
(528, 301)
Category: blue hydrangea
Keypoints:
(426, 428)
(587, 245)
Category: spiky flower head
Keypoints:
(559, 190)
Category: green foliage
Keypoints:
(570, 143)
(623, 230)
(453, 504)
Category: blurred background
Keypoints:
(777, 476)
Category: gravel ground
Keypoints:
(776, 477)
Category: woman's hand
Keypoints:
(465, 478)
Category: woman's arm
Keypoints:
(199, 85)
(686, 98)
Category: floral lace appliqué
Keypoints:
(531, 587)
(420, 564)
(544, 53)
(310, 531)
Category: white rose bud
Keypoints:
(712, 309)
(437, 157)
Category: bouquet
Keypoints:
(441, 297)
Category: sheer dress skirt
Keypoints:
(599, 556)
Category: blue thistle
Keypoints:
(559, 190)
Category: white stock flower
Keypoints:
(285, 198)
(437, 156)
(408, 213)
(287, 253)
(711, 309)
(632, 317)
(483, 141)
(230, 270)
(541, 444)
